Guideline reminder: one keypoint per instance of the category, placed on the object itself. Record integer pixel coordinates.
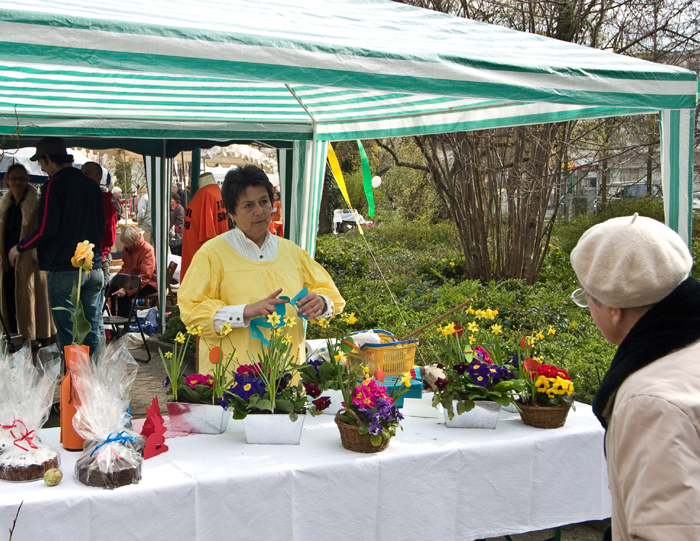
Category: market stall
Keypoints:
(431, 483)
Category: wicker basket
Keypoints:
(394, 358)
(544, 416)
(352, 440)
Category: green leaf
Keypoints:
(363, 429)
(375, 440)
(264, 405)
(283, 406)
(293, 416)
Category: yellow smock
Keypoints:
(219, 276)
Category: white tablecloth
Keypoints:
(431, 483)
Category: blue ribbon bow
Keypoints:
(113, 437)
(260, 322)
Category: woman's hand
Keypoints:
(121, 292)
(263, 307)
(312, 305)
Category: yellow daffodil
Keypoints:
(82, 258)
(168, 355)
(194, 330)
(472, 339)
(287, 339)
(540, 336)
(551, 331)
(406, 380)
(479, 314)
(349, 318)
(323, 323)
(180, 338)
(340, 357)
(273, 319)
(473, 326)
(225, 329)
(470, 310)
(290, 321)
(439, 330)
(496, 329)
(490, 314)
(278, 332)
(365, 369)
(448, 329)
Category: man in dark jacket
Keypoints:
(70, 211)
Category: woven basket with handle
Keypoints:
(351, 438)
(543, 416)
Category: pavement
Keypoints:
(149, 383)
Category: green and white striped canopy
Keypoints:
(313, 71)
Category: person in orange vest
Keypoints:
(205, 218)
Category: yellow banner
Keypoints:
(338, 175)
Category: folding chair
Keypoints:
(14, 340)
(129, 282)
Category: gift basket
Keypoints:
(26, 394)
(112, 454)
(385, 352)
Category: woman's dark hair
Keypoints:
(14, 167)
(238, 181)
(175, 198)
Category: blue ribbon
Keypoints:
(119, 436)
(260, 322)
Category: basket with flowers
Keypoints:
(477, 377)
(369, 418)
(547, 396)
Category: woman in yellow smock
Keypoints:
(241, 274)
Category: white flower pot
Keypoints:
(271, 429)
(198, 418)
(483, 415)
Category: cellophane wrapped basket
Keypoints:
(391, 356)
(26, 395)
(112, 453)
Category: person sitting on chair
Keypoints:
(139, 259)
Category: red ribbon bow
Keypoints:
(25, 435)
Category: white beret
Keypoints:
(630, 261)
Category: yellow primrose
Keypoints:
(290, 321)
(473, 326)
(179, 337)
(225, 329)
(273, 319)
(496, 329)
(168, 355)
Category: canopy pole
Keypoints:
(194, 181)
(677, 141)
(166, 169)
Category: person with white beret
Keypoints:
(633, 273)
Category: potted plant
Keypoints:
(547, 396)
(321, 376)
(272, 409)
(477, 382)
(195, 403)
(369, 417)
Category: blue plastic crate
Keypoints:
(416, 390)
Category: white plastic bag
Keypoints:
(26, 394)
(112, 452)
